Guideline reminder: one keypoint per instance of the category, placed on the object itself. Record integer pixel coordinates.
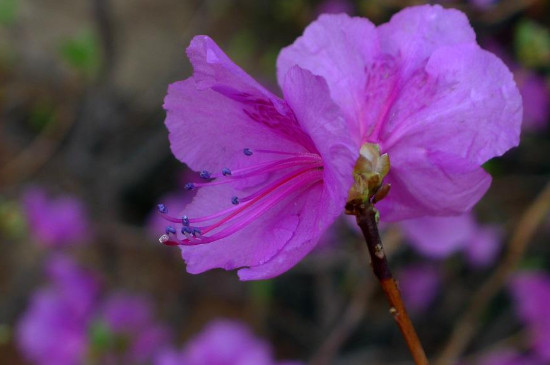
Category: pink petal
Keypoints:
(463, 102)
(431, 183)
(309, 97)
(439, 237)
(336, 47)
(414, 33)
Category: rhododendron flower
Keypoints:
(509, 357)
(223, 342)
(53, 330)
(277, 172)
(129, 317)
(419, 284)
(55, 222)
(531, 293)
(439, 237)
(421, 89)
(536, 100)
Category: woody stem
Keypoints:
(366, 219)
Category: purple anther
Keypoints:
(170, 229)
(186, 230)
(235, 200)
(247, 151)
(162, 208)
(205, 175)
(185, 220)
(226, 171)
(189, 186)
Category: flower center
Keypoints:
(288, 173)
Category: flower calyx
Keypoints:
(368, 174)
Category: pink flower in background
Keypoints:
(421, 89)
(55, 222)
(439, 237)
(129, 317)
(536, 100)
(276, 172)
(222, 342)
(509, 357)
(419, 284)
(54, 328)
(531, 293)
(334, 7)
(67, 322)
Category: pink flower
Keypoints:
(276, 172)
(531, 293)
(509, 357)
(419, 285)
(129, 317)
(53, 329)
(421, 89)
(56, 222)
(536, 100)
(439, 237)
(223, 342)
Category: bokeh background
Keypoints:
(83, 147)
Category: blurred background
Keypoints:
(84, 159)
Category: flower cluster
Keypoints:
(58, 222)
(223, 342)
(439, 237)
(68, 322)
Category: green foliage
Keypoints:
(242, 47)
(8, 11)
(41, 114)
(12, 222)
(261, 291)
(82, 52)
(532, 43)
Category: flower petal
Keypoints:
(431, 183)
(308, 95)
(464, 102)
(336, 47)
(219, 111)
(415, 32)
(438, 237)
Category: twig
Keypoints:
(469, 323)
(366, 219)
(353, 313)
(41, 149)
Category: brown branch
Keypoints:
(366, 219)
(40, 150)
(469, 323)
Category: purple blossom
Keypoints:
(334, 7)
(509, 357)
(278, 171)
(536, 100)
(130, 317)
(53, 330)
(421, 89)
(531, 293)
(55, 222)
(439, 237)
(419, 285)
(222, 342)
